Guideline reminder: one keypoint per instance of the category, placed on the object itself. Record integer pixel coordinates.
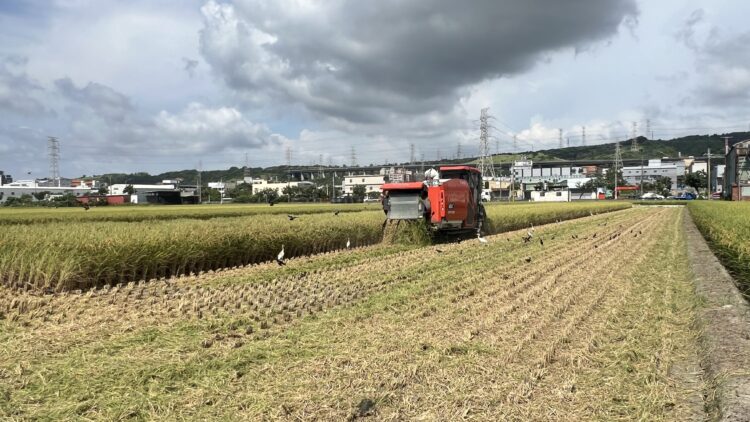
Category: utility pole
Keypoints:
(53, 147)
(618, 164)
(486, 166)
(634, 137)
(560, 138)
(641, 171)
(708, 176)
(200, 182)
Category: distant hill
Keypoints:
(695, 145)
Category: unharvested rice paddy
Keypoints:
(71, 255)
(594, 319)
(727, 227)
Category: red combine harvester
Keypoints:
(448, 200)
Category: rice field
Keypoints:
(593, 322)
(12, 216)
(75, 255)
(726, 225)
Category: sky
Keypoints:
(159, 85)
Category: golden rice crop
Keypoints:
(167, 212)
(726, 225)
(78, 255)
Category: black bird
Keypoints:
(291, 217)
(553, 237)
(337, 212)
(594, 236)
(439, 250)
(528, 259)
(541, 241)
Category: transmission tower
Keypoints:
(649, 135)
(559, 137)
(353, 157)
(485, 159)
(288, 154)
(583, 135)
(53, 147)
(411, 153)
(246, 169)
(634, 137)
(515, 142)
(618, 164)
(458, 151)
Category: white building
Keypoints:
(655, 168)
(20, 188)
(259, 185)
(372, 183)
(550, 196)
(117, 189)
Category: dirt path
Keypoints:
(725, 320)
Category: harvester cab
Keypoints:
(449, 199)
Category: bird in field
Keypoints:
(337, 212)
(481, 239)
(270, 202)
(541, 241)
(528, 259)
(439, 250)
(553, 237)
(280, 257)
(291, 217)
(594, 236)
(348, 243)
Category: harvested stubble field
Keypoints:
(71, 255)
(596, 323)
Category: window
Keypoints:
(541, 193)
(363, 179)
(559, 193)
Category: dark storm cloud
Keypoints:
(372, 61)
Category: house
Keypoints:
(737, 172)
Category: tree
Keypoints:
(129, 190)
(697, 180)
(359, 192)
(39, 196)
(103, 190)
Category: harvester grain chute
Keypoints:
(449, 200)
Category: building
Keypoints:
(5, 178)
(372, 183)
(550, 196)
(675, 171)
(717, 178)
(737, 172)
(259, 185)
(119, 188)
(34, 188)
